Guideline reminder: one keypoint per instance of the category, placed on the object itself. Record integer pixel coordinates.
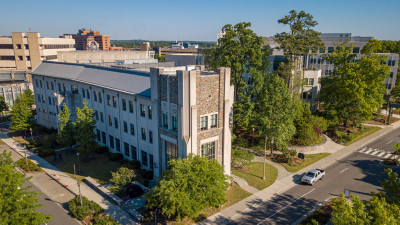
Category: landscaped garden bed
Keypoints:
(31, 167)
(252, 173)
(297, 164)
(391, 162)
(322, 215)
(349, 135)
(381, 120)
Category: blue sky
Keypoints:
(197, 20)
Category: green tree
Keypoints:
(3, 105)
(241, 157)
(355, 89)
(29, 98)
(122, 177)
(17, 204)
(188, 187)
(84, 128)
(66, 133)
(160, 58)
(275, 114)
(20, 115)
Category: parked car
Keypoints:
(312, 176)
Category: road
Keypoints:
(358, 172)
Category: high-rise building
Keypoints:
(87, 36)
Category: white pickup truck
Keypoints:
(312, 176)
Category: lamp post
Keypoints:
(74, 172)
(31, 133)
(26, 159)
(79, 187)
(79, 163)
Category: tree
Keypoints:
(355, 89)
(122, 177)
(275, 114)
(20, 115)
(241, 157)
(189, 186)
(66, 133)
(160, 58)
(17, 204)
(84, 128)
(3, 105)
(29, 98)
(300, 40)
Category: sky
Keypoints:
(197, 20)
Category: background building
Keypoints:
(85, 36)
(102, 56)
(185, 59)
(151, 117)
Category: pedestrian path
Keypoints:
(377, 152)
(111, 208)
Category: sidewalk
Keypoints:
(111, 209)
(281, 185)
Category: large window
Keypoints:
(96, 115)
(144, 158)
(74, 89)
(330, 49)
(203, 123)
(208, 150)
(111, 141)
(165, 120)
(115, 102)
(101, 117)
(95, 96)
(311, 81)
(151, 161)
(134, 152)
(143, 134)
(103, 136)
(150, 115)
(126, 149)
(48, 85)
(125, 127)
(100, 97)
(115, 122)
(88, 93)
(142, 110)
(171, 151)
(98, 135)
(309, 95)
(214, 121)
(110, 120)
(321, 50)
(109, 100)
(130, 106)
(174, 122)
(132, 129)
(150, 136)
(41, 84)
(356, 50)
(59, 86)
(117, 144)
(124, 104)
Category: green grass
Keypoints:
(235, 194)
(255, 173)
(31, 167)
(312, 159)
(350, 139)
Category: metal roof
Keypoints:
(123, 80)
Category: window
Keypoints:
(388, 86)
(83, 92)
(41, 84)
(171, 151)
(130, 106)
(144, 158)
(109, 120)
(74, 89)
(98, 134)
(311, 81)
(150, 136)
(96, 114)
(43, 99)
(143, 134)
(132, 129)
(111, 141)
(52, 86)
(134, 152)
(330, 49)
(124, 104)
(95, 96)
(39, 99)
(309, 95)
(203, 123)
(88, 93)
(109, 100)
(64, 87)
(115, 122)
(114, 102)
(330, 72)
(126, 149)
(356, 50)
(393, 62)
(59, 86)
(322, 61)
(304, 95)
(151, 161)
(125, 127)
(100, 97)
(319, 61)
(321, 50)
(165, 120)
(101, 117)
(174, 122)
(103, 135)
(37, 84)
(49, 100)
(150, 115)
(214, 121)
(326, 72)
(117, 145)
(391, 75)
(208, 150)
(142, 110)
(48, 85)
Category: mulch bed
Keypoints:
(279, 159)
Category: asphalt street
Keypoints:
(358, 172)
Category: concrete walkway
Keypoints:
(280, 186)
(111, 208)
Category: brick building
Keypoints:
(84, 36)
(151, 117)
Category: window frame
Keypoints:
(209, 146)
(143, 134)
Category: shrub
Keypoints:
(104, 220)
(242, 142)
(123, 161)
(116, 156)
(286, 153)
(34, 144)
(43, 152)
(50, 140)
(89, 207)
(241, 157)
(122, 177)
(292, 152)
(101, 149)
(133, 164)
(28, 168)
(320, 122)
(391, 162)
(291, 164)
(148, 174)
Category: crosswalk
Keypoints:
(378, 153)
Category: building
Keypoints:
(20, 52)
(175, 51)
(87, 36)
(185, 59)
(151, 117)
(102, 56)
(13, 83)
(114, 48)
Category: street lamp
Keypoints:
(79, 187)
(79, 163)
(26, 159)
(31, 133)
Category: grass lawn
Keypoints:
(350, 139)
(254, 174)
(297, 163)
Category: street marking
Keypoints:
(368, 151)
(394, 157)
(387, 156)
(389, 142)
(286, 206)
(343, 170)
(376, 152)
(363, 149)
(381, 154)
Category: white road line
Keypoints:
(375, 152)
(286, 206)
(389, 142)
(343, 170)
(368, 151)
(394, 157)
(363, 149)
(387, 156)
(382, 153)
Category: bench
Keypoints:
(104, 190)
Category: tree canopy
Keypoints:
(66, 133)
(84, 127)
(3, 105)
(20, 115)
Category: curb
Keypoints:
(320, 205)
